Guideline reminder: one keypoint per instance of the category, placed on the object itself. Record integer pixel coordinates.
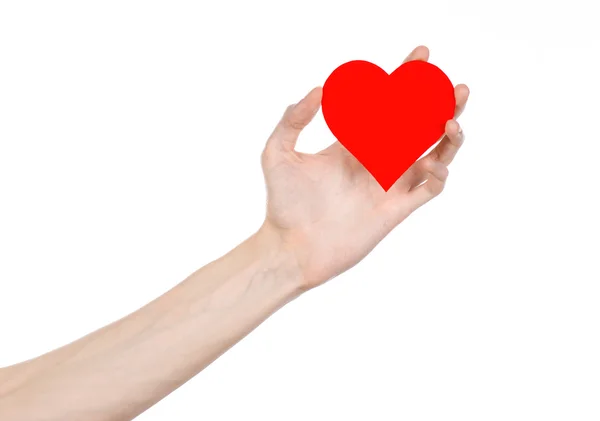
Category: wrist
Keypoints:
(278, 253)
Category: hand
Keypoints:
(327, 209)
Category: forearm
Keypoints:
(122, 369)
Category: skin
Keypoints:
(324, 214)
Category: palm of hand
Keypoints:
(327, 206)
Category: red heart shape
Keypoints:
(387, 121)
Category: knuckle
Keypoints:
(267, 155)
(290, 119)
(293, 123)
(441, 188)
(444, 172)
(437, 189)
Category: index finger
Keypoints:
(419, 53)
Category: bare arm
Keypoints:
(324, 214)
(120, 370)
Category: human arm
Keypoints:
(122, 369)
(324, 214)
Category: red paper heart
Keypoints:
(387, 121)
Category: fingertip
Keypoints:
(462, 92)
(317, 94)
(312, 100)
(453, 129)
(421, 53)
(317, 91)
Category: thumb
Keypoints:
(295, 118)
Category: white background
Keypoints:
(130, 141)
